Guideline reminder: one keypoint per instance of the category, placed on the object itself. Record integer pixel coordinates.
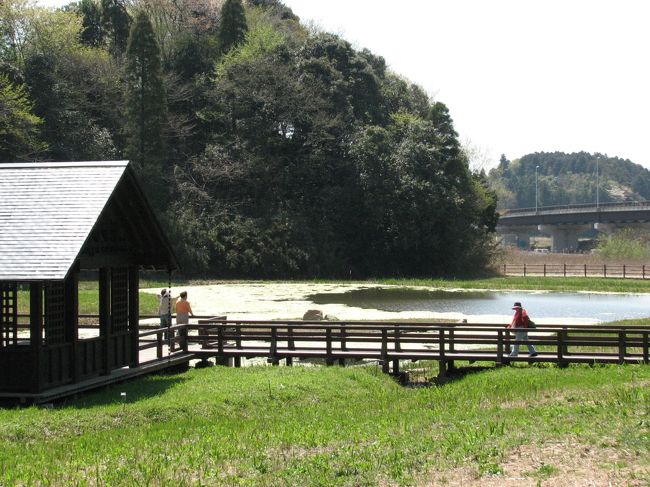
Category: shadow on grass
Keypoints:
(129, 391)
(458, 373)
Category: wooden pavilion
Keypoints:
(58, 219)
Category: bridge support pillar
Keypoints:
(564, 237)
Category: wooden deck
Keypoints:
(228, 342)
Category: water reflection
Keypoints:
(603, 307)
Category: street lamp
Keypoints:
(597, 195)
(536, 198)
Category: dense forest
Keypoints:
(268, 149)
(564, 179)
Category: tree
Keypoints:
(117, 22)
(92, 33)
(19, 127)
(145, 108)
(232, 31)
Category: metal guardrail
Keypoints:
(576, 208)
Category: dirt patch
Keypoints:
(558, 464)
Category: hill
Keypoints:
(268, 149)
(567, 179)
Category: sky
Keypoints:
(518, 76)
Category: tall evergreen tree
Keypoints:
(232, 31)
(117, 21)
(146, 112)
(92, 33)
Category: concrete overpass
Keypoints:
(566, 223)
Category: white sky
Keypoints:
(518, 76)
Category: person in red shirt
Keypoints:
(520, 324)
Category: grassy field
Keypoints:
(322, 426)
(333, 426)
(594, 284)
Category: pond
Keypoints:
(543, 305)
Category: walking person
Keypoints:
(520, 323)
(183, 311)
(165, 310)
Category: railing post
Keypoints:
(565, 269)
(159, 345)
(505, 273)
(398, 345)
(623, 271)
(643, 271)
(561, 347)
(220, 340)
(585, 270)
(328, 347)
(442, 367)
(185, 332)
(203, 333)
(344, 345)
(499, 348)
(238, 338)
(621, 346)
(524, 270)
(384, 351)
(646, 358)
(273, 351)
(604, 270)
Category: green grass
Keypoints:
(323, 426)
(89, 301)
(596, 284)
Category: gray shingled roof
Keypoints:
(47, 211)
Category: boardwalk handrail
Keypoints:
(391, 342)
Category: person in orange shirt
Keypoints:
(183, 310)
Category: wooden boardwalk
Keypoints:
(228, 342)
(390, 343)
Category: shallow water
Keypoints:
(599, 307)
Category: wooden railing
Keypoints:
(389, 343)
(619, 271)
(392, 342)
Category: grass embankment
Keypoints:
(333, 426)
(593, 284)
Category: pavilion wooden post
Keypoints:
(134, 315)
(71, 319)
(105, 317)
(36, 331)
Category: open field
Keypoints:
(331, 426)
(591, 284)
(524, 425)
(511, 255)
